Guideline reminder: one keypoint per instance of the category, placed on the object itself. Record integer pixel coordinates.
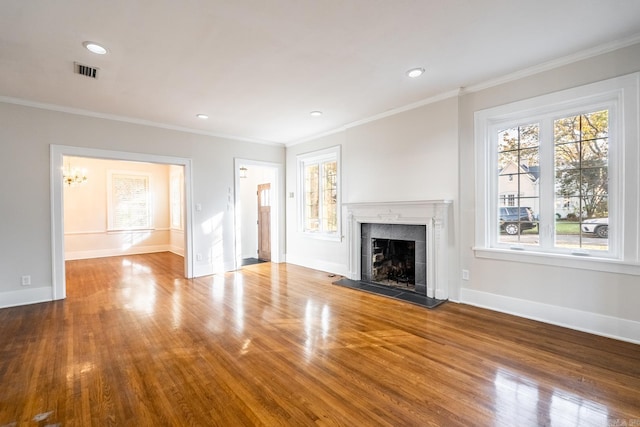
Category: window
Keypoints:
(551, 173)
(129, 201)
(319, 186)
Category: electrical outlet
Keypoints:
(198, 257)
(465, 274)
(25, 280)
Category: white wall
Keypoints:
(604, 303)
(26, 134)
(85, 212)
(405, 157)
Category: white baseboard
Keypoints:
(329, 267)
(25, 297)
(101, 253)
(594, 323)
(178, 250)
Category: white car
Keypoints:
(597, 226)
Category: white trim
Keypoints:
(392, 112)
(560, 260)
(554, 63)
(316, 264)
(117, 118)
(57, 152)
(136, 230)
(26, 296)
(593, 323)
(102, 253)
(319, 156)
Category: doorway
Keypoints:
(58, 154)
(264, 222)
(257, 207)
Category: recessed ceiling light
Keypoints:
(316, 113)
(202, 116)
(415, 72)
(95, 48)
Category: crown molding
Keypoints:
(388, 113)
(114, 117)
(555, 63)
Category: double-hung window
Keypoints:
(128, 201)
(553, 173)
(319, 180)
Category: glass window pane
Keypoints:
(581, 181)
(518, 184)
(529, 136)
(566, 130)
(594, 125)
(330, 193)
(311, 197)
(130, 203)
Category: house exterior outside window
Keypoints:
(319, 185)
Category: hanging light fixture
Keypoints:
(243, 171)
(74, 176)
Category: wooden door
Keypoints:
(264, 222)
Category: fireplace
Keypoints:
(393, 263)
(424, 224)
(393, 255)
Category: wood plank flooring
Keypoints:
(278, 345)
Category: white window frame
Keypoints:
(111, 221)
(320, 156)
(618, 95)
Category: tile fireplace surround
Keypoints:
(434, 214)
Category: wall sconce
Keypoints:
(243, 172)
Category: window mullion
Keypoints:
(546, 216)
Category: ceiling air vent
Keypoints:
(86, 70)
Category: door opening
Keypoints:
(264, 222)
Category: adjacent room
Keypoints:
(337, 212)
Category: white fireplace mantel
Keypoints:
(434, 214)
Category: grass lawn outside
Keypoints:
(562, 227)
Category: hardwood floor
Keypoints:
(136, 344)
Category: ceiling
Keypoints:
(257, 68)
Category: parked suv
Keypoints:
(514, 219)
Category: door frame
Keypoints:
(57, 204)
(277, 208)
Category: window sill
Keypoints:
(320, 236)
(559, 260)
(133, 230)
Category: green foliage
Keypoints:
(581, 160)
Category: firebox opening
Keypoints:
(393, 263)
